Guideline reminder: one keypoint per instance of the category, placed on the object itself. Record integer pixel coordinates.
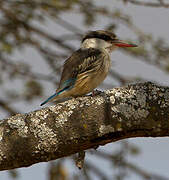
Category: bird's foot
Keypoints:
(96, 92)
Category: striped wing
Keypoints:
(81, 61)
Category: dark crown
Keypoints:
(100, 34)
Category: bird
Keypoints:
(87, 67)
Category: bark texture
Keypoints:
(138, 110)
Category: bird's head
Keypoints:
(103, 39)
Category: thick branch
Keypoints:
(139, 110)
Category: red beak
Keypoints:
(120, 43)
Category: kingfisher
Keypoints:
(87, 67)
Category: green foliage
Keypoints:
(6, 47)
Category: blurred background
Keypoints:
(36, 36)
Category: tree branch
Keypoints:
(139, 110)
(149, 4)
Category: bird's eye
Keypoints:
(106, 37)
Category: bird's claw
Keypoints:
(96, 92)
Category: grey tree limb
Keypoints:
(137, 110)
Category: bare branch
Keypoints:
(4, 105)
(139, 110)
(130, 166)
(150, 4)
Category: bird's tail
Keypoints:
(50, 99)
(55, 96)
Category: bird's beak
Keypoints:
(120, 43)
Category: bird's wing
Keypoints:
(81, 61)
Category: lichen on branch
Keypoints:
(137, 110)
